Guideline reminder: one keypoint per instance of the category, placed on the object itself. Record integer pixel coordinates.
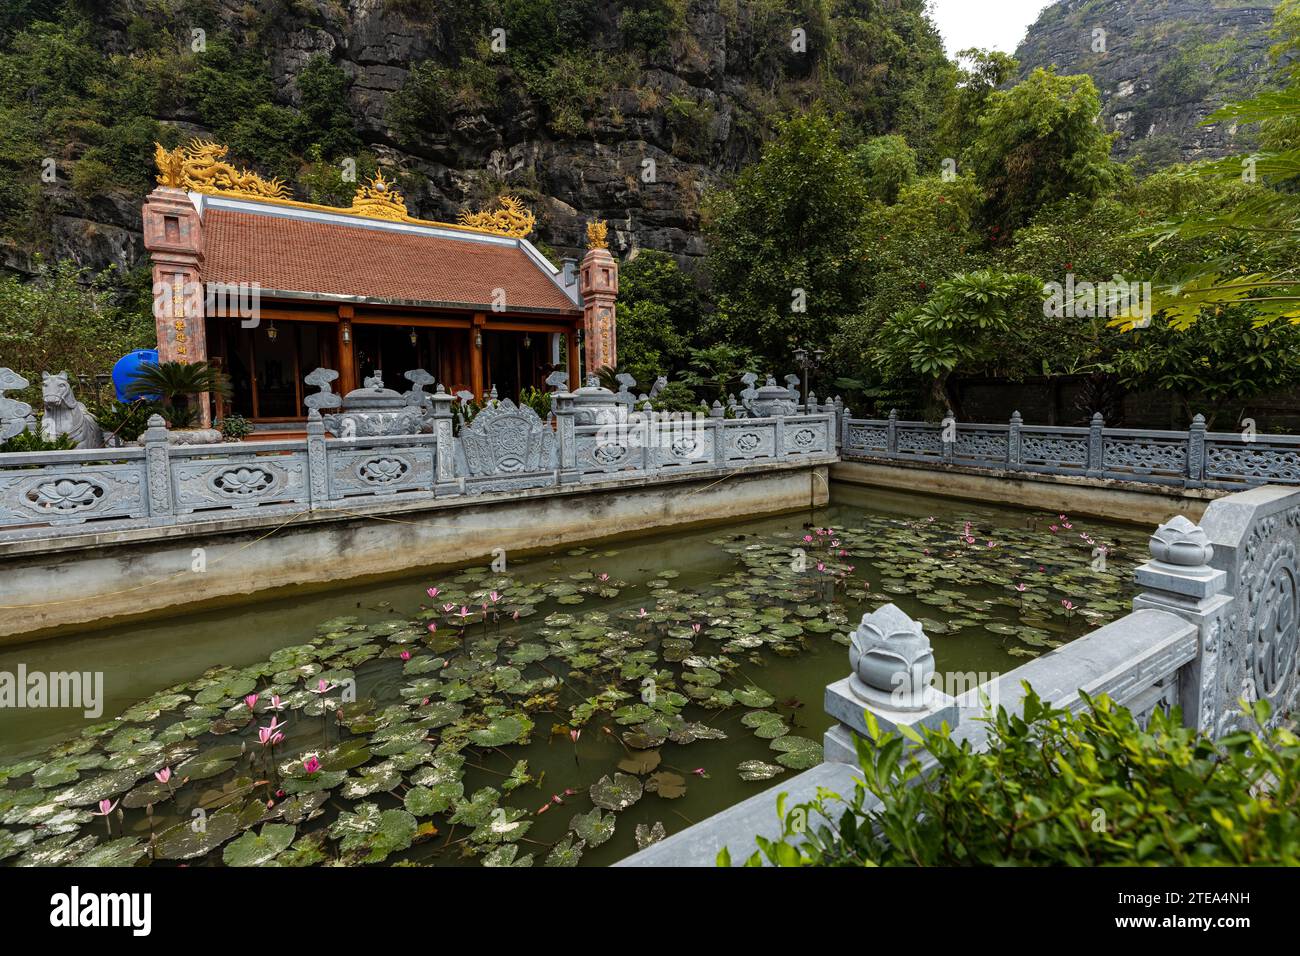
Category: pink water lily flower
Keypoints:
(433, 592)
(464, 612)
(808, 538)
(820, 566)
(323, 687)
(698, 771)
(1053, 528)
(405, 655)
(106, 807)
(1022, 588)
(641, 613)
(1068, 604)
(275, 703)
(449, 608)
(270, 736)
(311, 764)
(163, 775)
(696, 628)
(574, 735)
(515, 616)
(433, 627)
(604, 577)
(495, 596)
(251, 701)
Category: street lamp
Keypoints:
(808, 361)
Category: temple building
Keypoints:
(270, 288)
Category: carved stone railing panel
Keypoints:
(750, 439)
(1233, 460)
(916, 440)
(385, 467)
(980, 445)
(1256, 540)
(73, 493)
(205, 478)
(809, 436)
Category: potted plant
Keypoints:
(177, 385)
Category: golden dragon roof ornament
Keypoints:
(512, 219)
(200, 166)
(598, 234)
(380, 200)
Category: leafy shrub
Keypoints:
(1056, 788)
(235, 427)
(125, 420)
(32, 441)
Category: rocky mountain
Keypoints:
(1162, 66)
(628, 110)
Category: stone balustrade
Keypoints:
(589, 437)
(1196, 458)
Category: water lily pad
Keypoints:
(646, 836)
(765, 724)
(593, 828)
(752, 696)
(641, 762)
(797, 753)
(617, 793)
(565, 853)
(256, 849)
(752, 770)
(670, 786)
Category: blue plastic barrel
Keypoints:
(127, 368)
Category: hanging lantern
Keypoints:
(271, 332)
(414, 338)
(528, 341)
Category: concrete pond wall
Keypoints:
(101, 578)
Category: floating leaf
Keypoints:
(617, 793)
(255, 850)
(646, 836)
(593, 828)
(752, 770)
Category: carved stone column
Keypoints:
(173, 235)
(1179, 579)
(892, 667)
(598, 284)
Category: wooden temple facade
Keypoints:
(270, 288)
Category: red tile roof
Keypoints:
(286, 254)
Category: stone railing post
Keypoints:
(158, 469)
(444, 439)
(1196, 453)
(1179, 579)
(843, 414)
(891, 667)
(318, 483)
(891, 433)
(1096, 446)
(948, 436)
(562, 404)
(1013, 441)
(718, 422)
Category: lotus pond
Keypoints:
(564, 711)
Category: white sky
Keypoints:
(988, 24)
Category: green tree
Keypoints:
(1224, 359)
(887, 164)
(968, 324)
(659, 314)
(785, 243)
(980, 73)
(1036, 143)
(323, 117)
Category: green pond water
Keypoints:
(689, 666)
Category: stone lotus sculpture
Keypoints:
(1181, 543)
(64, 415)
(891, 661)
(594, 405)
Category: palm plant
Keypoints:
(177, 384)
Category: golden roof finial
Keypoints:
(379, 199)
(200, 166)
(512, 219)
(598, 234)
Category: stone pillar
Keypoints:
(1179, 579)
(1013, 440)
(599, 286)
(173, 235)
(562, 405)
(1096, 446)
(317, 456)
(891, 669)
(158, 473)
(445, 445)
(891, 433)
(1196, 453)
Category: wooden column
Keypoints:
(347, 356)
(571, 341)
(476, 355)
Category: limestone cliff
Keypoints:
(1162, 67)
